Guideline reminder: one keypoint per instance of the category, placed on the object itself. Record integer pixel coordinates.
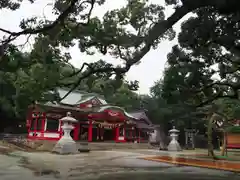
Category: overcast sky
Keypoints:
(147, 72)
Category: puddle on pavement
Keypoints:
(166, 176)
(204, 163)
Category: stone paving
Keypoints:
(102, 165)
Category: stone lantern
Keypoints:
(174, 145)
(66, 145)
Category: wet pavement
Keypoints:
(204, 163)
(101, 165)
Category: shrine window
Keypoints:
(127, 133)
(52, 125)
(33, 122)
(39, 125)
(134, 133)
(137, 132)
(36, 124)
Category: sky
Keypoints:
(147, 72)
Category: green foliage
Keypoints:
(25, 77)
(28, 77)
(207, 40)
(229, 108)
(233, 129)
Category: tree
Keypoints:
(75, 24)
(206, 40)
(227, 112)
(205, 65)
(214, 44)
(107, 36)
(37, 78)
(174, 90)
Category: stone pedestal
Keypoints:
(66, 145)
(83, 147)
(174, 145)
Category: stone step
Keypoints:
(93, 146)
(109, 146)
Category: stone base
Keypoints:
(174, 146)
(65, 147)
(83, 147)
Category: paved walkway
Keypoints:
(101, 165)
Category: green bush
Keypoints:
(233, 129)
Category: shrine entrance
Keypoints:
(107, 122)
(95, 136)
(83, 132)
(109, 134)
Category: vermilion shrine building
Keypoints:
(97, 120)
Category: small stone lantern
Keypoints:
(174, 145)
(66, 145)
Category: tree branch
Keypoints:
(90, 72)
(48, 27)
(218, 96)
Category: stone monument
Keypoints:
(66, 145)
(174, 145)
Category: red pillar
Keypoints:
(36, 119)
(101, 133)
(90, 131)
(124, 132)
(116, 133)
(76, 131)
(43, 120)
(61, 131)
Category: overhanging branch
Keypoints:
(60, 19)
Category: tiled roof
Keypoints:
(140, 115)
(141, 125)
(65, 107)
(77, 97)
(71, 99)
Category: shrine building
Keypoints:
(97, 120)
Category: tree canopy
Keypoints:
(202, 71)
(208, 39)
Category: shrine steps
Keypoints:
(43, 145)
(112, 145)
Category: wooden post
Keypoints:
(43, 120)
(98, 133)
(101, 133)
(131, 134)
(60, 131)
(29, 122)
(124, 132)
(90, 131)
(139, 136)
(76, 131)
(116, 133)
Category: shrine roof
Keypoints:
(77, 97)
(141, 125)
(61, 106)
(102, 108)
(138, 115)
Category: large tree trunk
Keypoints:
(224, 144)
(209, 135)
